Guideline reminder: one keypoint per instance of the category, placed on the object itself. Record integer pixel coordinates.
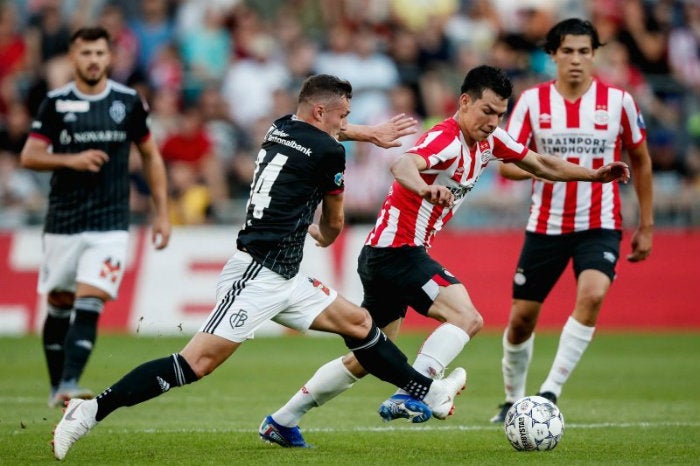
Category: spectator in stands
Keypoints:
(250, 82)
(13, 58)
(205, 53)
(154, 30)
(125, 45)
(21, 199)
(190, 144)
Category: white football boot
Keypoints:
(442, 393)
(77, 421)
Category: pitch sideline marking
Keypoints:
(602, 425)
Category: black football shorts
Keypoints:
(543, 259)
(395, 278)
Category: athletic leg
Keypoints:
(578, 330)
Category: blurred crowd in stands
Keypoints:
(216, 73)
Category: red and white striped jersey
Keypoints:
(590, 132)
(406, 219)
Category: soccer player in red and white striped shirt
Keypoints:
(582, 120)
(431, 181)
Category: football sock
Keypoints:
(515, 363)
(145, 382)
(329, 381)
(574, 340)
(53, 337)
(380, 357)
(439, 350)
(81, 336)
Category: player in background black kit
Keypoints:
(299, 167)
(83, 133)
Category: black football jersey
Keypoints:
(297, 165)
(72, 122)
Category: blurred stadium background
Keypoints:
(217, 72)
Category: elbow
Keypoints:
(25, 160)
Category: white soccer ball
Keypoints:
(534, 423)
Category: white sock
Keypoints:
(574, 340)
(329, 381)
(514, 365)
(439, 350)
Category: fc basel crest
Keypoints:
(117, 111)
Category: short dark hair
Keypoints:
(323, 86)
(90, 34)
(570, 27)
(486, 77)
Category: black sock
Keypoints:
(53, 337)
(81, 337)
(383, 359)
(145, 382)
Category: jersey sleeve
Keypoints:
(138, 121)
(439, 146)
(519, 126)
(633, 128)
(505, 148)
(44, 125)
(332, 170)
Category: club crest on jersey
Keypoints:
(117, 111)
(601, 116)
(486, 156)
(338, 179)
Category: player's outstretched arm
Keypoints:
(385, 135)
(556, 169)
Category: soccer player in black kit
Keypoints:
(83, 133)
(299, 167)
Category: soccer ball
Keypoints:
(534, 423)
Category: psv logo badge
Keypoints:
(117, 111)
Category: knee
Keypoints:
(61, 299)
(522, 323)
(467, 318)
(358, 324)
(591, 300)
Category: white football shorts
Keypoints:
(248, 295)
(96, 258)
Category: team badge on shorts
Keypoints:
(318, 284)
(238, 319)
(110, 269)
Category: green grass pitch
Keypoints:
(634, 399)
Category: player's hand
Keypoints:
(641, 244)
(160, 232)
(90, 160)
(613, 171)
(316, 234)
(387, 134)
(438, 195)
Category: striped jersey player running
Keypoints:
(431, 182)
(581, 119)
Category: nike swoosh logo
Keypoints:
(69, 414)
